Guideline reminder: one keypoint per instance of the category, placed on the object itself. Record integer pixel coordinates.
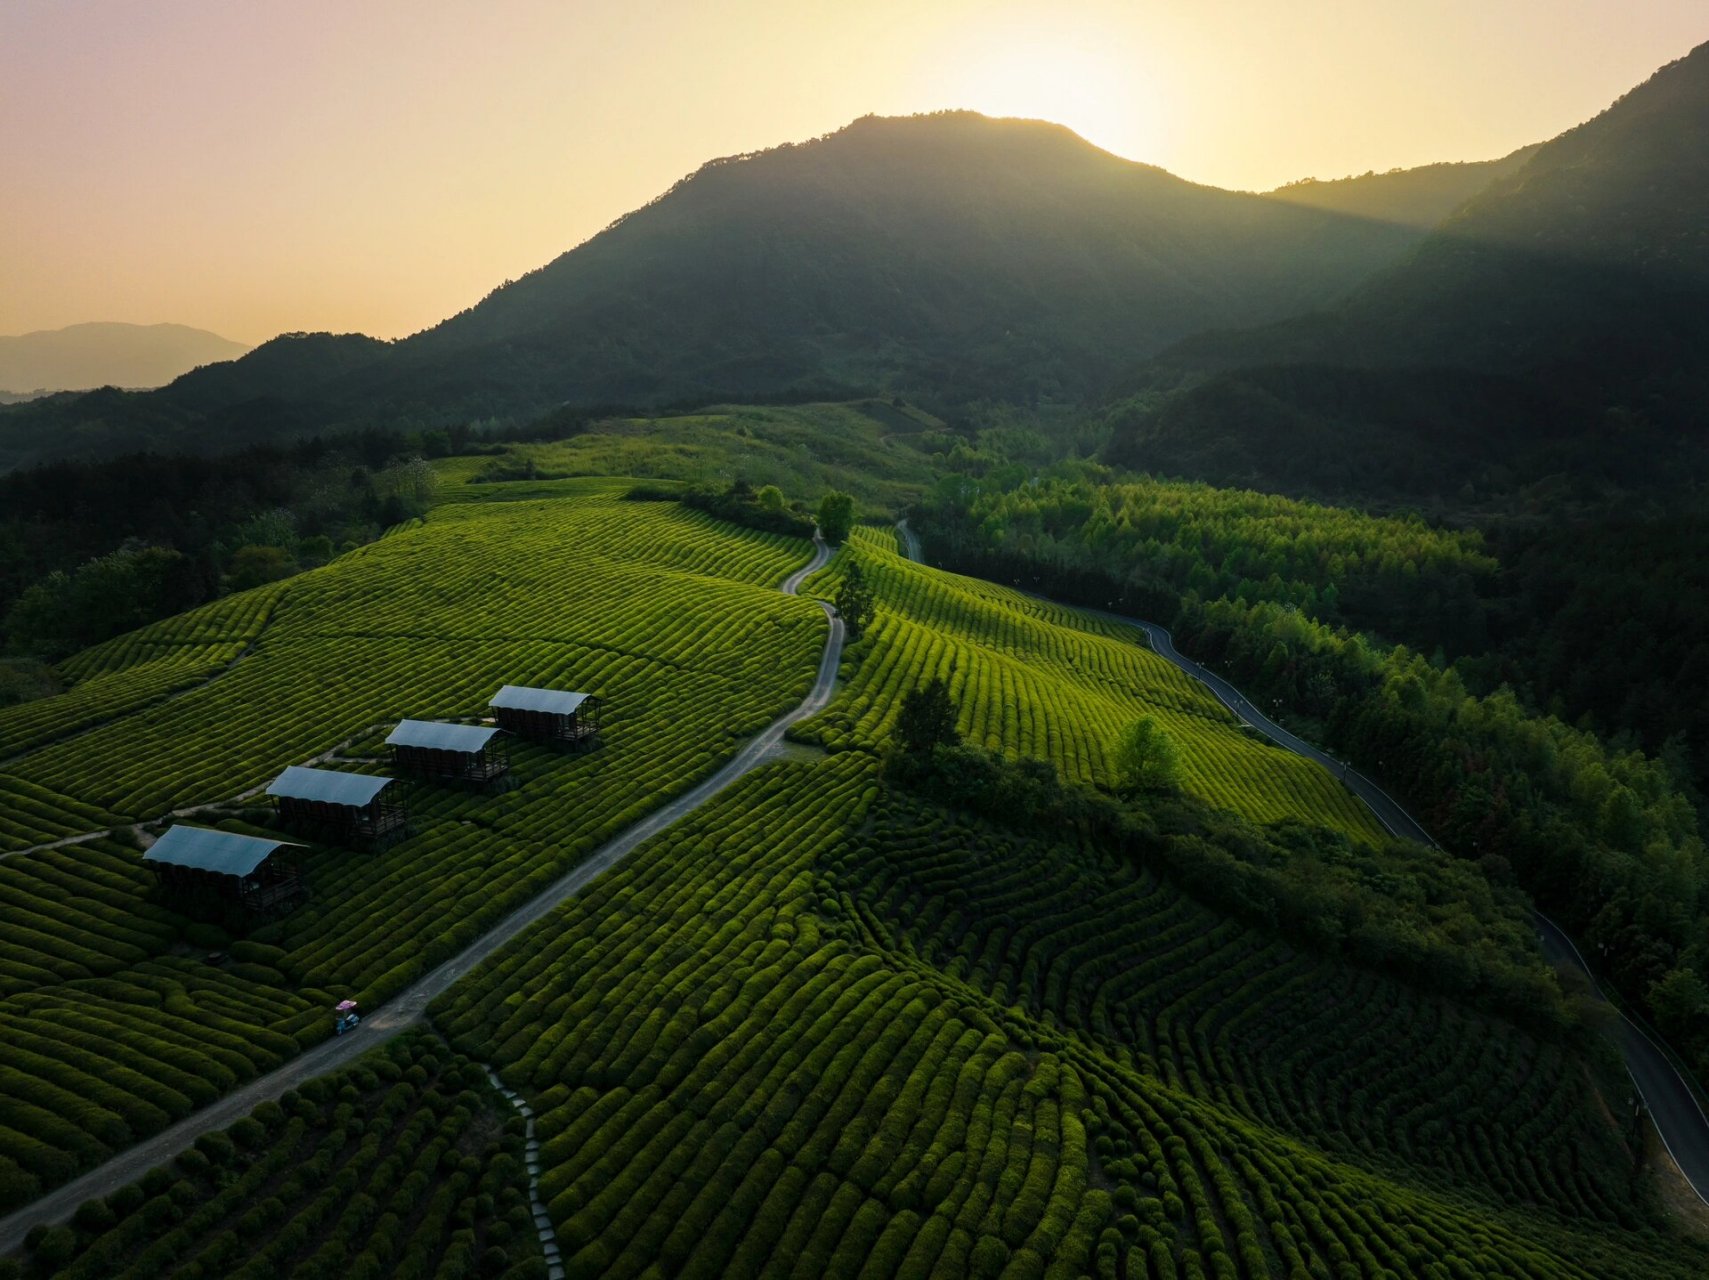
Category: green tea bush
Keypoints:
(110, 1030)
(1035, 679)
(301, 1203)
(820, 1024)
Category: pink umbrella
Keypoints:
(344, 1005)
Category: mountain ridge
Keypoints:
(950, 255)
(1583, 272)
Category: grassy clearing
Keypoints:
(869, 448)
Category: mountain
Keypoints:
(1590, 262)
(953, 255)
(1419, 198)
(1001, 255)
(105, 354)
(1583, 273)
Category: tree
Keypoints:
(927, 718)
(1146, 757)
(770, 497)
(854, 601)
(1680, 1003)
(253, 566)
(63, 612)
(836, 516)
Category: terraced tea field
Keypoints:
(409, 1165)
(111, 1024)
(744, 1063)
(1228, 1014)
(869, 448)
(1032, 678)
(818, 1027)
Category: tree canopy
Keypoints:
(836, 516)
(927, 718)
(854, 600)
(1147, 758)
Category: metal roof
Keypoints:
(301, 783)
(434, 736)
(208, 850)
(516, 697)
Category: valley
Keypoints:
(938, 696)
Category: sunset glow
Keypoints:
(1035, 72)
(252, 168)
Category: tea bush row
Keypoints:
(407, 1165)
(1362, 1066)
(741, 1062)
(105, 985)
(1033, 678)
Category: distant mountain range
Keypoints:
(1406, 332)
(83, 356)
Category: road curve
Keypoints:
(1678, 1116)
(407, 1008)
(1679, 1119)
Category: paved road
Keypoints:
(1679, 1119)
(1678, 1116)
(406, 1009)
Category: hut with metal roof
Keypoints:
(439, 752)
(548, 715)
(339, 808)
(260, 875)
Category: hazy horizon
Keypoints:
(170, 166)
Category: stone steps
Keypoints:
(531, 1161)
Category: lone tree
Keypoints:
(836, 516)
(927, 718)
(854, 601)
(1147, 758)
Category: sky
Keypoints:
(377, 165)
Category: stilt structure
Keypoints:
(548, 715)
(259, 875)
(457, 753)
(351, 809)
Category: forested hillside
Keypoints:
(1553, 325)
(1325, 614)
(952, 255)
(1419, 197)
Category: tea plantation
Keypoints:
(111, 1022)
(409, 1165)
(1038, 679)
(752, 1053)
(822, 1026)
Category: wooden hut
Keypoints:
(548, 715)
(339, 808)
(260, 875)
(449, 752)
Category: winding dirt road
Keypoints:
(408, 1007)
